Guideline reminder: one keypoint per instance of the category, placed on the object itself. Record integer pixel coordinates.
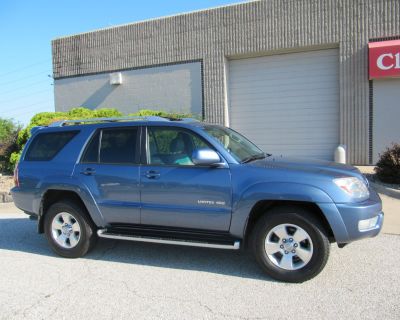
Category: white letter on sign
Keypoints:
(380, 64)
(397, 55)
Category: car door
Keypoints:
(109, 168)
(177, 193)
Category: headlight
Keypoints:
(353, 186)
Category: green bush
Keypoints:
(14, 158)
(8, 143)
(147, 113)
(7, 128)
(388, 167)
(46, 118)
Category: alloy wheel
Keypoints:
(288, 246)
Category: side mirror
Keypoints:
(206, 157)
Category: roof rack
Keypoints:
(119, 119)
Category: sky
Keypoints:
(27, 28)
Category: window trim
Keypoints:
(145, 147)
(31, 144)
(100, 137)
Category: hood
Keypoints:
(307, 165)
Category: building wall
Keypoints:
(386, 125)
(175, 88)
(251, 28)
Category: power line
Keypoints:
(29, 112)
(32, 105)
(23, 68)
(26, 86)
(26, 77)
(24, 96)
(28, 106)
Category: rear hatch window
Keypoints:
(45, 146)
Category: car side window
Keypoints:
(46, 146)
(91, 154)
(172, 146)
(112, 146)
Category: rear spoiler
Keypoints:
(34, 129)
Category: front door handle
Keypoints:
(152, 174)
(88, 172)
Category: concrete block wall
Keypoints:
(251, 28)
(174, 88)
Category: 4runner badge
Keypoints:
(211, 202)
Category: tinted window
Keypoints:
(45, 146)
(92, 150)
(118, 145)
(172, 146)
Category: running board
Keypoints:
(102, 233)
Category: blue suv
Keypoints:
(185, 182)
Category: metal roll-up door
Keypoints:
(288, 103)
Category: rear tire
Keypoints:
(290, 244)
(68, 229)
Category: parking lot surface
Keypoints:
(127, 280)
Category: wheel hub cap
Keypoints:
(288, 246)
(65, 230)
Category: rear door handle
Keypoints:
(152, 174)
(88, 172)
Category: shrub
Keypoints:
(8, 143)
(46, 118)
(388, 167)
(146, 112)
(14, 158)
(7, 128)
(7, 148)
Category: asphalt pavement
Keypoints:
(127, 280)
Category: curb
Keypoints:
(385, 190)
(5, 197)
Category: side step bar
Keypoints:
(102, 233)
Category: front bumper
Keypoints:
(344, 218)
(352, 214)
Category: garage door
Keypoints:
(287, 104)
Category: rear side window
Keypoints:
(45, 146)
(91, 154)
(113, 146)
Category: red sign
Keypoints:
(384, 59)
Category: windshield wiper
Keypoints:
(255, 157)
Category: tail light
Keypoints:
(16, 178)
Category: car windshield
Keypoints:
(238, 146)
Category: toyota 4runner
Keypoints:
(185, 182)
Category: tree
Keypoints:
(8, 143)
(7, 128)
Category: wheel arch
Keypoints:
(52, 196)
(262, 208)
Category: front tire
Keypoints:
(68, 229)
(290, 244)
